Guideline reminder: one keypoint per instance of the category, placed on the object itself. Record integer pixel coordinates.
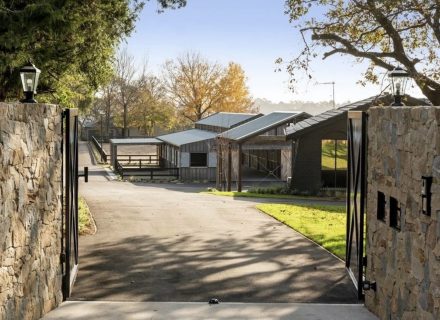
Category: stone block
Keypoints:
(405, 263)
(25, 264)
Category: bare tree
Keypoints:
(125, 85)
(152, 109)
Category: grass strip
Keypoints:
(266, 195)
(326, 225)
(85, 220)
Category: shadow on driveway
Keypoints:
(189, 268)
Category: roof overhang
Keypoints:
(136, 141)
(264, 129)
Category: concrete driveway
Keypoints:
(166, 243)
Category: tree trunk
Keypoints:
(432, 95)
(125, 129)
(107, 119)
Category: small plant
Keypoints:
(270, 190)
(85, 220)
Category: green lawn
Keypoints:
(85, 222)
(326, 225)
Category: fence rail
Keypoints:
(98, 147)
(136, 169)
(139, 161)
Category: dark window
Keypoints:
(381, 203)
(395, 214)
(198, 160)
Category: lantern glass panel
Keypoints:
(28, 80)
(37, 77)
(399, 85)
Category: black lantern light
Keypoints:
(29, 79)
(398, 78)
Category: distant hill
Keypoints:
(266, 106)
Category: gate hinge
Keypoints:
(63, 257)
(364, 261)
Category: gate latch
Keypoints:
(369, 285)
(85, 174)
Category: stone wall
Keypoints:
(30, 210)
(404, 261)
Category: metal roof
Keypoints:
(135, 141)
(227, 119)
(320, 119)
(188, 136)
(260, 125)
(335, 114)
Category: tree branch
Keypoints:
(352, 50)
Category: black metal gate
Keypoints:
(356, 198)
(69, 255)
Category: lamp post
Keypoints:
(333, 87)
(101, 113)
(398, 78)
(29, 75)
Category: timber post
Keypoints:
(239, 187)
(229, 182)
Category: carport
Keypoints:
(259, 145)
(150, 159)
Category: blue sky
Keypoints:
(253, 33)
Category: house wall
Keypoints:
(197, 174)
(180, 157)
(30, 210)
(403, 146)
(306, 170)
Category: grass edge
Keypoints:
(301, 234)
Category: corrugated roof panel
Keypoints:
(300, 124)
(331, 113)
(260, 125)
(310, 121)
(327, 115)
(226, 119)
(135, 141)
(320, 117)
(188, 136)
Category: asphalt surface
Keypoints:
(109, 310)
(167, 243)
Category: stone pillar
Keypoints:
(403, 253)
(30, 210)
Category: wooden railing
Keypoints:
(139, 161)
(98, 147)
(149, 167)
